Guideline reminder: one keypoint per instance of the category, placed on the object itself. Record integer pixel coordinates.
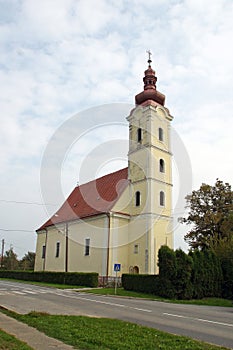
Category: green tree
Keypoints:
(225, 253)
(210, 215)
(206, 274)
(198, 274)
(10, 261)
(183, 285)
(167, 272)
(28, 261)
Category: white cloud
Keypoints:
(57, 58)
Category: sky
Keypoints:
(84, 60)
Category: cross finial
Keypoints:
(149, 57)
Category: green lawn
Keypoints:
(8, 342)
(106, 334)
(123, 292)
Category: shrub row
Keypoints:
(69, 278)
(141, 283)
(182, 276)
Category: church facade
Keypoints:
(123, 217)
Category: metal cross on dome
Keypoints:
(149, 57)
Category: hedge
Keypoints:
(195, 275)
(69, 278)
(141, 283)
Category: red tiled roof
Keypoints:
(95, 197)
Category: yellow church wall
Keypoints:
(165, 176)
(156, 208)
(142, 187)
(41, 241)
(160, 122)
(138, 235)
(162, 235)
(123, 203)
(137, 251)
(95, 229)
(118, 251)
(53, 263)
(149, 232)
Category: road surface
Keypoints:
(209, 324)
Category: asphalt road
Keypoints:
(209, 324)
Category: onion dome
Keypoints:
(150, 92)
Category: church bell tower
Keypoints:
(150, 175)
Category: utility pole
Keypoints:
(3, 244)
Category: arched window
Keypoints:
(162, 198)
(87, 247)
(137, 199)
(57, 249)
(139, 134)
(43, 251)
(136, 270)
(161, 166)
(160, 134)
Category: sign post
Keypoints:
(117, 267)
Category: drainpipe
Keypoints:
(46, 238)
(66, 247)
(108, 243)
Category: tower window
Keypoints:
(161, 166)
(137, 199)
(139, 134)
(160, 134)
(136, 248)
(87, 247)
(57, 249)
(43, 251)
(162, 198)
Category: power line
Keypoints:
(29, 203)
(6, 230)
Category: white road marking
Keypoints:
(18, 292)
(199, 319)
(29, 291)
(145, 310)
(102, 302)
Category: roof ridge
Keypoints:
(101, 177)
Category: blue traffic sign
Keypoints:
(117, 267)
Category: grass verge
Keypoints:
(122, 292)
(8, 342)
(101, 333)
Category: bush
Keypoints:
(70, 278)
(141, 283)
(183, 284)
(227, 285)
(206, 274)
(185, 276)
(167, 272)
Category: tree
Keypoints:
(184, 267)
(28, 261)
(10, 261)
(167, 272)
(211, 216)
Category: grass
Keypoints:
(106, 334)
(125, 293)
(8, 342)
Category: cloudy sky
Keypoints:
(59, 58)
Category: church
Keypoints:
(123, 218)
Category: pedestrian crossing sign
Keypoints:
(117, 267)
